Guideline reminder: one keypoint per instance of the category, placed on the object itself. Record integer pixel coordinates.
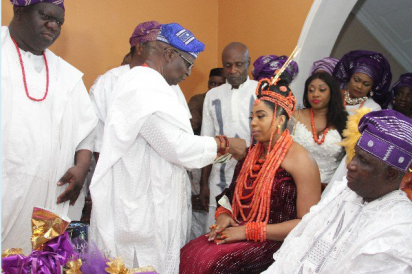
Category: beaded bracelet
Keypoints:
(222, 210)
(222, 144)
(256, 231)
(226, 143)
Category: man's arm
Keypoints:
(207, 130)
(96, 156)
(195, 110)
(204, 194)
(177, 146)
(183, 148)
(86, 121)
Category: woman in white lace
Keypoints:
(319, 126)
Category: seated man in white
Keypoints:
(364, 225)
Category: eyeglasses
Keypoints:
(184, 58)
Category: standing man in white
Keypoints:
(140, 188)
(47, 123)
(226, 111)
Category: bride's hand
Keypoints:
(237, 147)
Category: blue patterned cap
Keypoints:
(180, 38)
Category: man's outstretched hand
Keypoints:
(75, 177)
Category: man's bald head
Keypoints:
(236, 61)
(236, 46)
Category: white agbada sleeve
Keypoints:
(85, 141)
(99, 104)
(182, 99)
(100, 95)
(377, 264)
(86, 111)
(177, 146)
(81, 105)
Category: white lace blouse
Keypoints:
(328, 155)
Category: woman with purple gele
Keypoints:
(326, 64)
(267, 65)
(365, 76)
(402, 95)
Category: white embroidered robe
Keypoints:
(140, 189)
(39, 139)
(342, 234)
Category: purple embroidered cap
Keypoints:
(145, 32)
(387, 135)
(326, 64)
(180, 38)
(266, 65)
(23, 3)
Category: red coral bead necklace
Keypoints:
(24, 74)
(314, 133)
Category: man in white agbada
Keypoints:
(102, 89)
(364, 225)
(140, 188)
(47, 123)
(226, 111)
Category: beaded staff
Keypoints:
(292, 56)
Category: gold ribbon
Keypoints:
(12, 251)
(74, 267)
(143, 269)
(117, 266)
(46, 225)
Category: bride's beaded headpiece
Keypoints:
(278, 93)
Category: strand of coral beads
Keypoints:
(314, 133)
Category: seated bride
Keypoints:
(273, 187)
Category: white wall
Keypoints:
(355, 36)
